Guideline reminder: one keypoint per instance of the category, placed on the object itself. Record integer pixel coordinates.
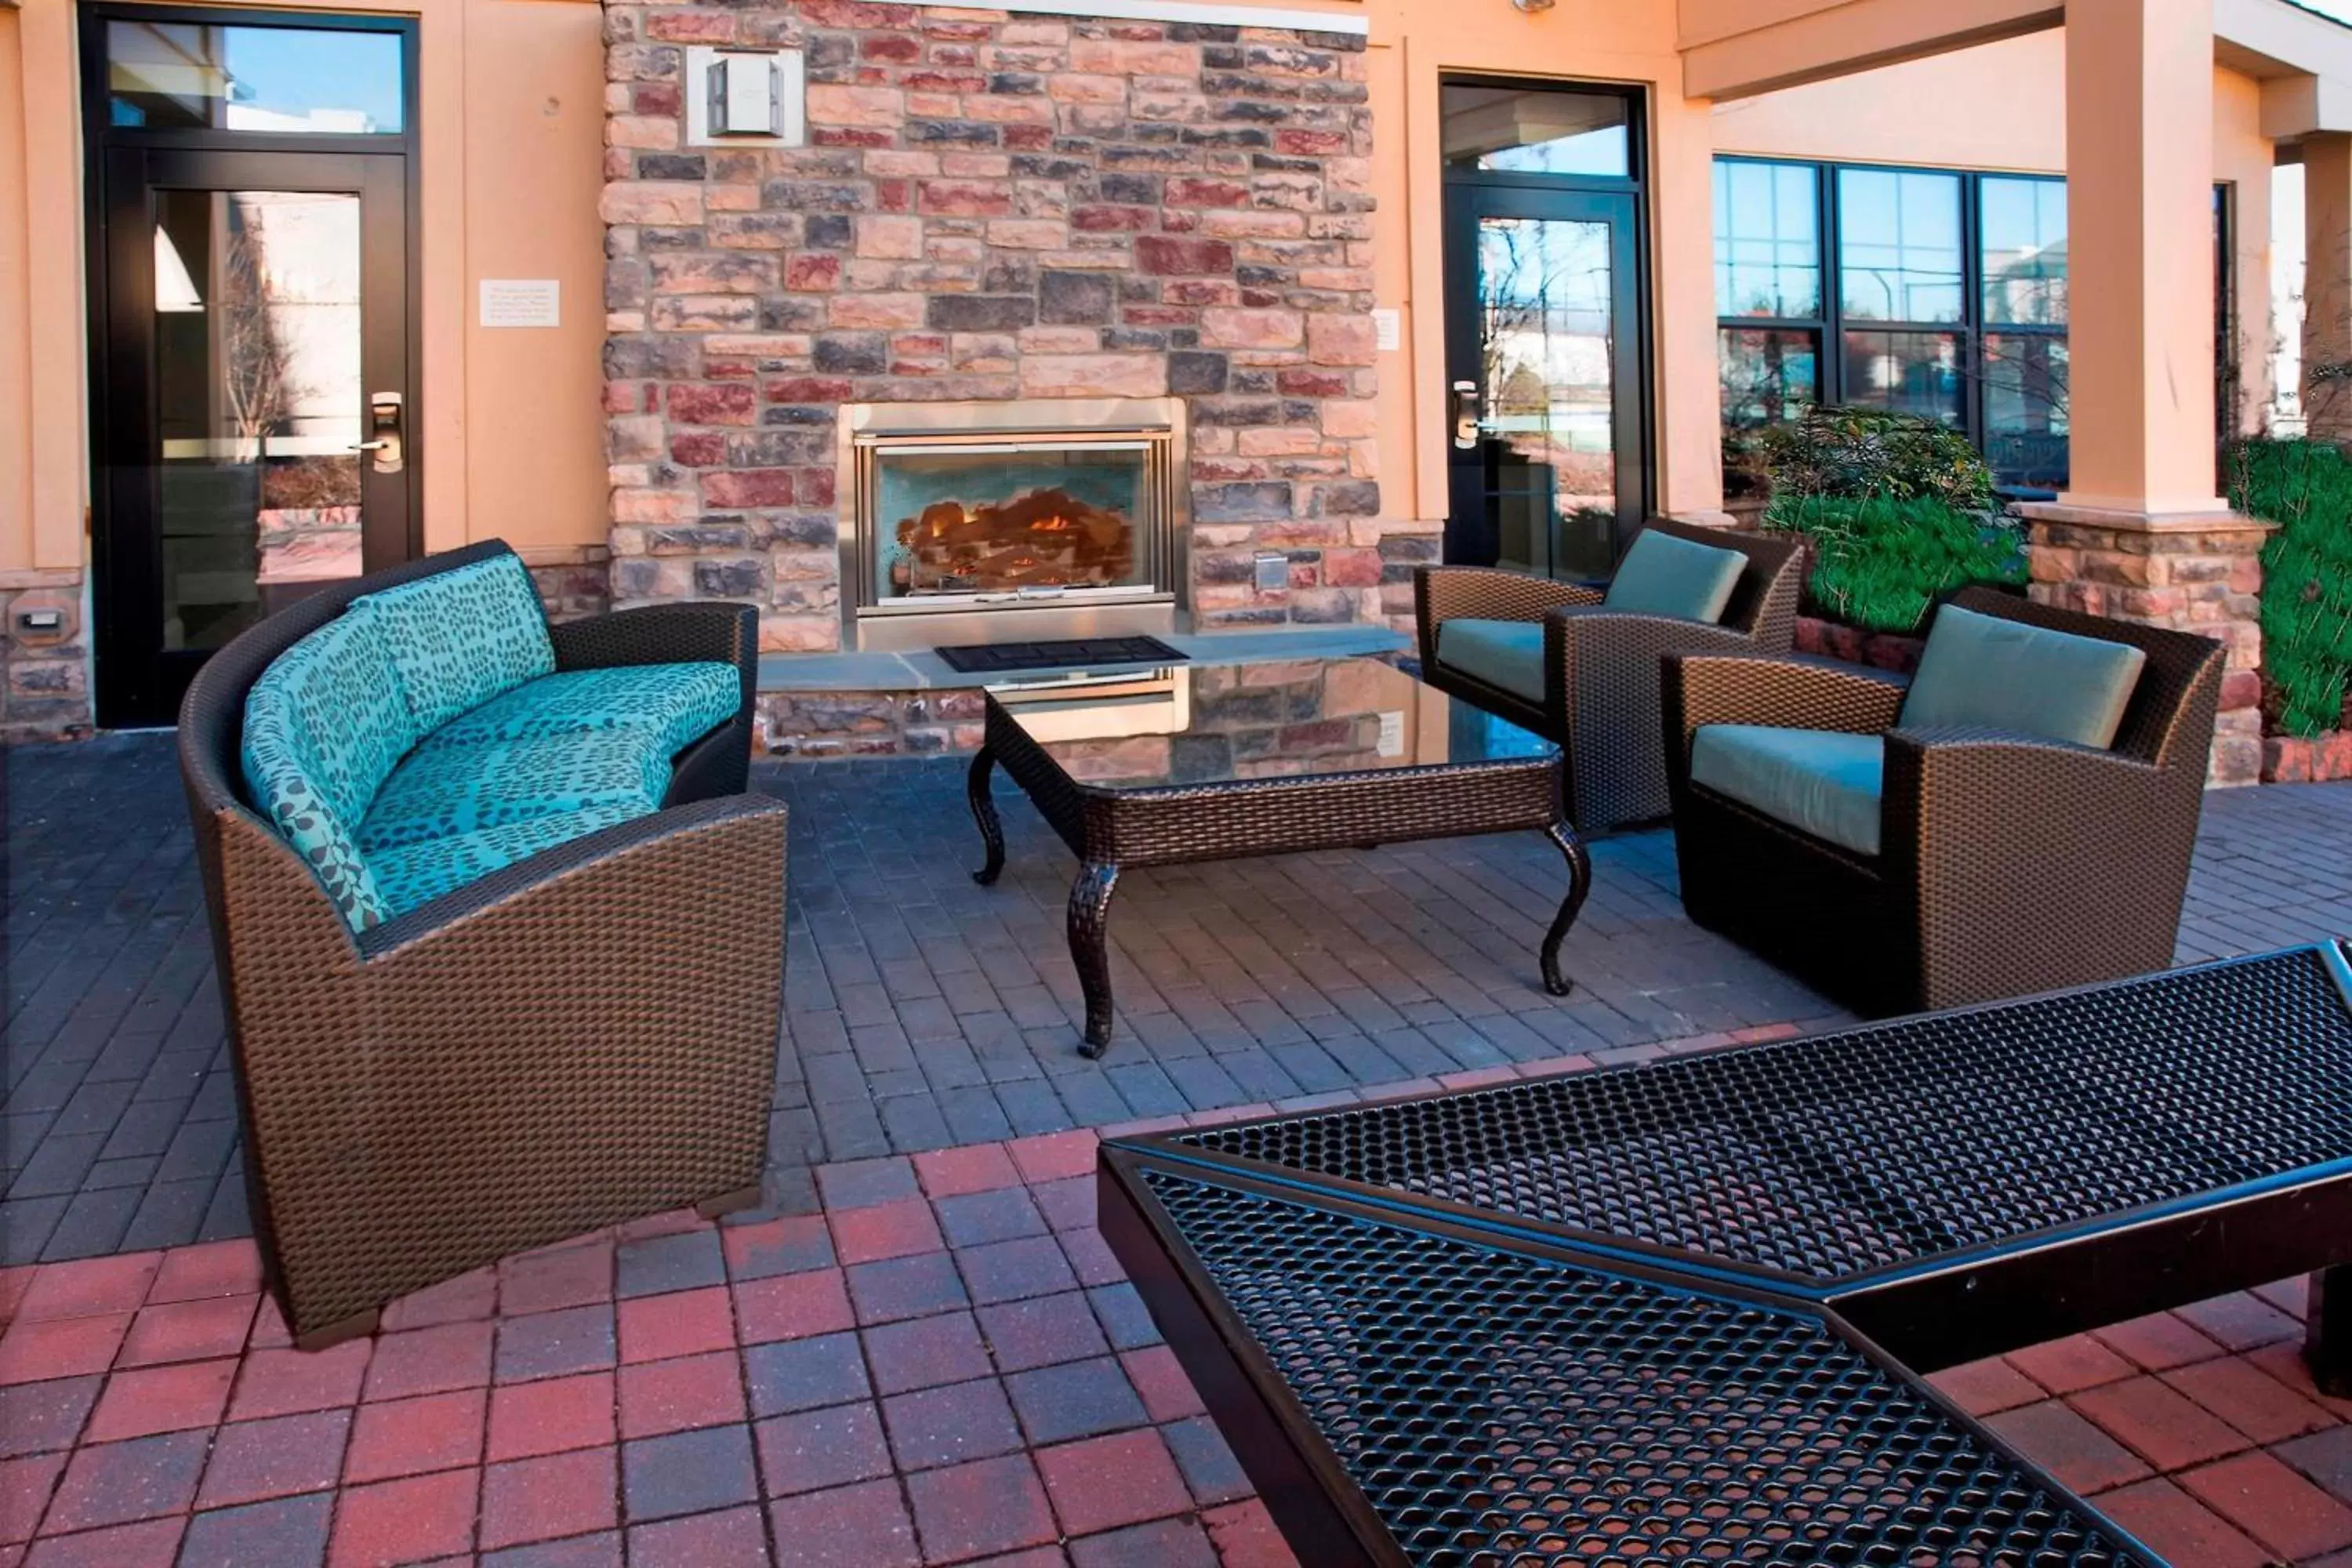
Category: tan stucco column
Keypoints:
(2142, 534)
(2327, 284)
(2139, 194)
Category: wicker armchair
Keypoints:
(1601, 669)
(2007, 865)
(583, 1038)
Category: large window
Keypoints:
(1923, 291)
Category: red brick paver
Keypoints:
(942, 1367)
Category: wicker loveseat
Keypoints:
(500, 938)
(1588, 679)
(1914, 862)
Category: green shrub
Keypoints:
(1858, 454)
(1880, 562)
(2304, 487)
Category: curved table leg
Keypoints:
(1089, 912)
(983, 811)
(1580, 883)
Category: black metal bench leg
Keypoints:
(983, 811)
(1580, 883)
(2327, 1335)
(1089, 915)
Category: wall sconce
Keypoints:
(1532, 6)
(746, 95)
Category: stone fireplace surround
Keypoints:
(993, 206)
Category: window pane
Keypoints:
(1521, 132)
(2025, 409)
(1899, 246)
(2024, 251)
(1767, 258)
(1768, 376)
(183, 76)
(1904, 373)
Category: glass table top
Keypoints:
(1218, 723)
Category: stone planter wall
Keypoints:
(1833, 639)
(992, 207)
(2319, 759)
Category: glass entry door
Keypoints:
(1545, 411)
(251, 388)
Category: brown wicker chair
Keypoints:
(2007, 865)
(1601, 670)
(585, 1037)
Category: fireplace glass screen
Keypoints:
(1002, 518)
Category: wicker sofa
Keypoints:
(1992, 863)
(559, 1014)
(1600, 665)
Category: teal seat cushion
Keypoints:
(324, 727)
(1507, 654)
(463, 637)
(444, 790)
(1817, 781)
(409, 874)
(1665, 574)
(679, 703)
(1984, 672)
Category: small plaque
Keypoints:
(1387, 334)
(1392, 734)
(522, 302)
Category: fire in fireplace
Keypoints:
(1057, 529)
(977, 522)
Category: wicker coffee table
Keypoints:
(1214, 762)
(1680, 1312)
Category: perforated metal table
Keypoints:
(1680, 1312)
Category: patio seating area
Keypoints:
(920, 1350)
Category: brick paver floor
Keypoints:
(933, 1360)
(920, 1351)
(926, 1011)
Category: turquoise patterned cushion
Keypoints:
(463, 637)
(444, 790)
(324, 726)
(413, 874)
(679, 703)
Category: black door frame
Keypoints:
(137, 683)
(1623, 204)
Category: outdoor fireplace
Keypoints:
(996, 521)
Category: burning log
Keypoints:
(1041, 538)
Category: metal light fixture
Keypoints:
(1532, 6)
(746, 95)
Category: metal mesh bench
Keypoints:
(1684, 1307)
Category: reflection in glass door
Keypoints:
(258, 404)
(250, 385)
(1545, 411)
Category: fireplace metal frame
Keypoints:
(868, 430)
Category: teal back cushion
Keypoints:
(463, 637)
(1984, 672)
(323, 727)
(1666, 576)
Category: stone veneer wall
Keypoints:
(2206, 578)
(45, 695)
(990, 207)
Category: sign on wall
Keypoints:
(522, 302)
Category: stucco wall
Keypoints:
(511, 160)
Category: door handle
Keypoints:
(386, 415)
(1463, 395)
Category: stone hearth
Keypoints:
(993, 206)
